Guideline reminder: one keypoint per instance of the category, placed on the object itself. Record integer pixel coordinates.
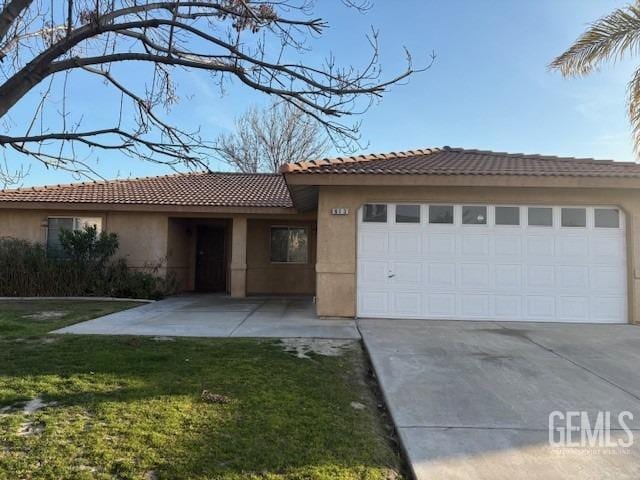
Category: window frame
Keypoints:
(289, 227)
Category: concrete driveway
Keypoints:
(220, 316)
(471, 400)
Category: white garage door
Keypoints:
(478, 262)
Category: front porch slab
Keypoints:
(206, 315)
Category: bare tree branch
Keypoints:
(266, 138)
(255, 42)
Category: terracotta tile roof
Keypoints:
(189, 189)
(458, 161)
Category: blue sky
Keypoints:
(488, 89)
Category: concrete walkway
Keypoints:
(220, 316)
(471, 400)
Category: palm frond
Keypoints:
(633, 108)
(606, 39)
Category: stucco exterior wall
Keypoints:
(337, 235)
(142, 236)
(264, 277)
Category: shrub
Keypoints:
(85, 269)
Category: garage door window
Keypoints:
(574, 217)
(507, 216)
(441, 214)
(474, 215)
(540, 217)
(607, 218)
(374, 213)
(407, 213)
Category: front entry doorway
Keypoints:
(211, 272)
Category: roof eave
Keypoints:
(484, 180)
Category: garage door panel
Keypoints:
(374, 243)
(573, 247)
(474, 275)
(572, 277)
(439, 244)
(508, 277)
(504, 272)
(406, 243)
(441, 305)
(408, 303)
(373, 302)
(508, 306)
(474, 305)
(541, 307)
(373, 272)
(608, 309)
(573, 308)
(607, 279)
(508, 246)
(542, 246)
(475, 245)
(442, 275)
(540, 276)
(407, 273)
(608, 249)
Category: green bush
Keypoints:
(85, 268)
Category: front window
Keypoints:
(289, 245)
(55, 225)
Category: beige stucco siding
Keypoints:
(265, 277)
(142, 236)
(337, 235)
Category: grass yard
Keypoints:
(132, 408)
(36, 317)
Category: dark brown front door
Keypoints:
(211, 273)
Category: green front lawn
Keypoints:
(36, 317)
(130, 407)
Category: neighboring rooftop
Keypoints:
(459, 161)
(188, 189)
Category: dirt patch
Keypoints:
(45, 315)
(302, 347)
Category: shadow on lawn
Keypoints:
(286, 416)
